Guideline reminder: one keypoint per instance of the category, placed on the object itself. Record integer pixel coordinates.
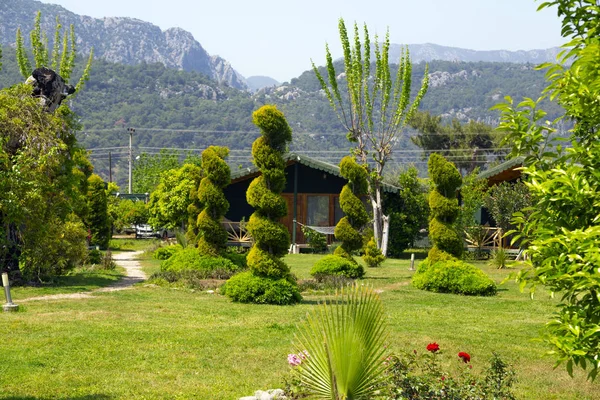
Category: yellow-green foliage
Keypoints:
(336, 266)
(444, 209)
(347, 229)
(453, 276)
(444, 175)
(269, 279)
(213, 237)
(373, 257)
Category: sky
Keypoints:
(279, 38)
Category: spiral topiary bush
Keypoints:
(442, 271)
(217, 175)
(269, 279)
(444, 208)
(348, 228)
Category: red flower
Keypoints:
(433, 347)
(465, 356)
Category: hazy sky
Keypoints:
(278, 38)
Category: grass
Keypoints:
(157, 343)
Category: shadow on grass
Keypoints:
(84, 397)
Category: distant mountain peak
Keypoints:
(432, 51)
(120, 39)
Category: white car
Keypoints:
(144, 231)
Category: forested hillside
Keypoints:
(187, 110)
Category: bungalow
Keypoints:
(312, 194)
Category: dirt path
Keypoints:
(133, 275)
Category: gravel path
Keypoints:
(133, 274)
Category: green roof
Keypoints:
(505, 166)
(309, 162)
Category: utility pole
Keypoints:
(131, 132)
(110, 166)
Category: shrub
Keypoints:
(338, 266)
(94, 257)
(191, 259)
(325, 283)
(453, 276)
(373, 257)
(499, 258)
(107, 261)
(238, 259)
(249, 288)
(164, 253)
(190, 279)
(317, 241)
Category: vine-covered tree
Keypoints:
(375, 111)
(269, 279)
(562, 233)
(217, 176)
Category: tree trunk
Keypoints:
(385, 234)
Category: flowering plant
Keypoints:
(425, 375)
(433, 347)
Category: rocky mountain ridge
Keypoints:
(120, 40)
(429, 52)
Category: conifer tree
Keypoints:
(269, 279)
(217, 175)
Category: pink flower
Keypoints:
(294, 360)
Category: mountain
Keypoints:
(256, 83)
(430, 52)
(120, 40)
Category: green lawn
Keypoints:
(161, 343)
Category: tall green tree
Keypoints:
(563, 230)
(466, 145)
(148, 169)
(177, 190)
(408, 210)
(98, 219)
(38, 188)
(375, 109)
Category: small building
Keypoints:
(312, 194)
(506, 172)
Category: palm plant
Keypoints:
(345, 342)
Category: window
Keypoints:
(317, 211)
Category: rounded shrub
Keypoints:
(190, 259)
(212, 236)
(164, 253)
(453, 276)
(248, 287)
(269, 279)
(444, 208)
(336, 266)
